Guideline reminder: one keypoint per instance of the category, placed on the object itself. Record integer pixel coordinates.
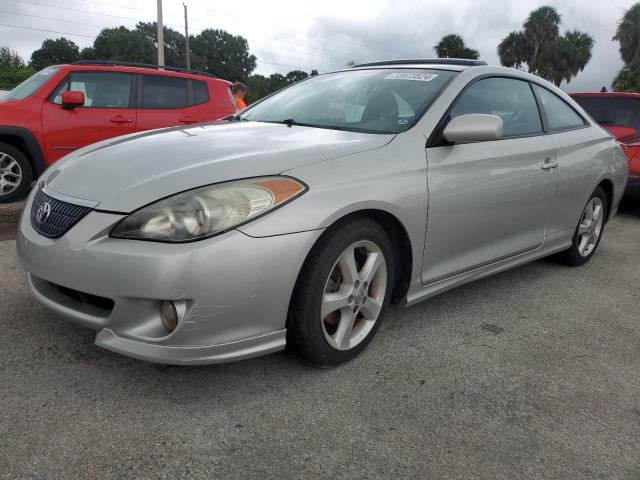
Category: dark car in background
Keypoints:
(619, 113)
(65, 107)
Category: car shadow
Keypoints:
(630, 207)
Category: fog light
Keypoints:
(169, 315)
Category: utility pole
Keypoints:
(160, 36)
(186, 36)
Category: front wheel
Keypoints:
(588, 233)
(341, 293)
(15, 174)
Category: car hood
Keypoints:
(125, 173)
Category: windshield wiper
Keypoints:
(290, 122)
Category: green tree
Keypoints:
(222, 54)
(277, 81)
(543, 50)
(13, 70)
(54, 52)
(628, 35)
(88, 53)
(566, 56)
(174, 43)
(257, 88)
(452, 46)
(296, 76)
(122, 44)
(10, 59)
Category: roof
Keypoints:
(144, 66)
(425, 61)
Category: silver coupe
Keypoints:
(296, 222)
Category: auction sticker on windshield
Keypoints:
(420, 77)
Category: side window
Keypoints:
(200, 92)
(510, 99)
(101, 89)
(160, 92)
(559, 115)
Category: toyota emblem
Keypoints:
(43, 212)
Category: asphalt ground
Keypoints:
(532, 373)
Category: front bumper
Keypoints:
(235, 288)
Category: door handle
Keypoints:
(188, 119)
(548, 164)
(120, 119)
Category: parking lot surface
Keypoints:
(533, 373)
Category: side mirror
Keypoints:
(72, 99)
(474, 127)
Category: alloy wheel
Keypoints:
(590, 226)
(10, 174)
(354, 295)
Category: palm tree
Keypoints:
(628, 34)
(545, 52)
(565, 57)
(452, 46)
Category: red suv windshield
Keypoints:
(612, 111)
(32, 84)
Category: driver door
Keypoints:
(108, 111)
(489, 200)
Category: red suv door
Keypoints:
(165, 101)
(108, 111)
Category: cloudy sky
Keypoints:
(324, 34)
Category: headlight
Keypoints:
(207, 211)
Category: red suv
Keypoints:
(65, 107)
(619, 113)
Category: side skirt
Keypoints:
(419, 292)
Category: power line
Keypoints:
(45, 30)
(73, 9)
(51, 18)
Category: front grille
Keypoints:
(57, 218)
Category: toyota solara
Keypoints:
(296, 222)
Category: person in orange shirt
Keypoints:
(239, 90)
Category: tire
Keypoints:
(578, 254)
(14, 169)
(326, 275)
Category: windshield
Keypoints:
(32, 84)
(612, 111)
(374, 101)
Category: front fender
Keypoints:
(392, 179)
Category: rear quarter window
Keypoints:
(200, 92)
(164, 93)
(558, 113)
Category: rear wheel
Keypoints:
(341, 294)
(588, 233)
(16, 174)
